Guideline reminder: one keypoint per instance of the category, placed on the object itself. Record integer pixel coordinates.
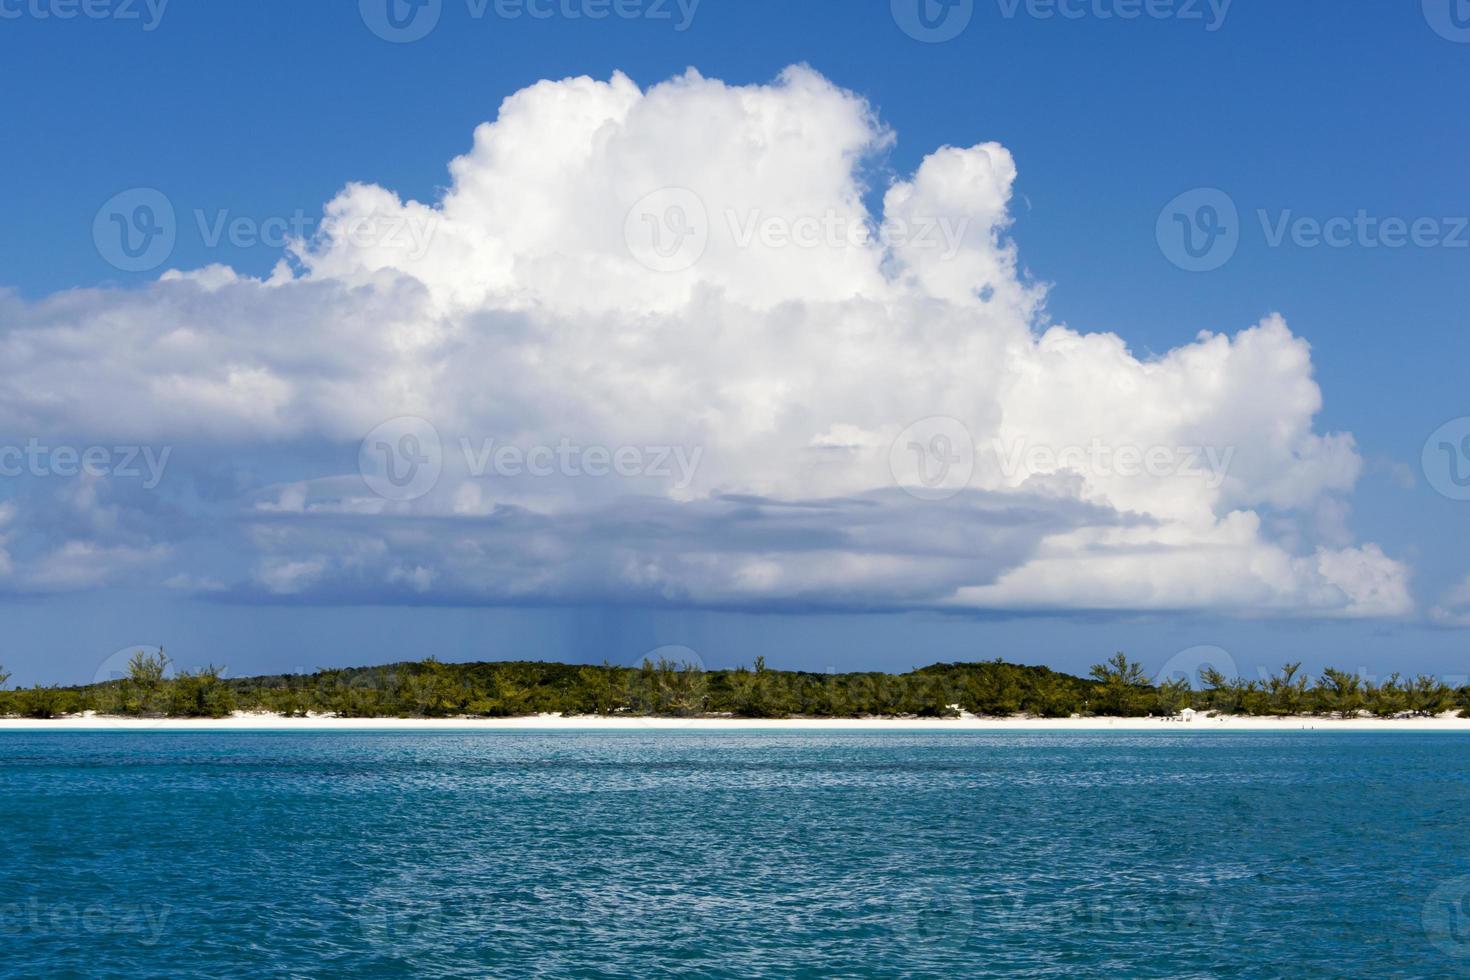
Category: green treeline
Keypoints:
(430, 689)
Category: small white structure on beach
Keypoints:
(1187, 714)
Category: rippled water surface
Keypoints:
(734, 854)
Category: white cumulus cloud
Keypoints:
(790, 345)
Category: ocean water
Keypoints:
(792, 854)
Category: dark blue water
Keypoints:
(734, 854)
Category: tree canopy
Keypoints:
(663, 688)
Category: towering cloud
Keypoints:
(653, 346)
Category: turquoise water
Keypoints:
(733, 854)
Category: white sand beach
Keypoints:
(259, 721)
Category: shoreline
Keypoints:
(263, 722)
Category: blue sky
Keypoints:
(268, 109)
